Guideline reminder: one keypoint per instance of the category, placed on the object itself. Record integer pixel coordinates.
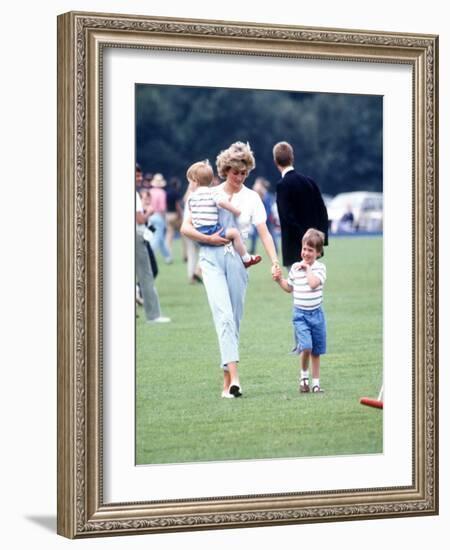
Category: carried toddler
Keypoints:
(204, 203)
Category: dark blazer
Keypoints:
(300, 206)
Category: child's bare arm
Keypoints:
(313, 280)
(282, 282)
(228, 206)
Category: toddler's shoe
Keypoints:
(227, 395)
(253, 261)
(304, 386)
(317, 389)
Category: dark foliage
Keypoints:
(337, 137)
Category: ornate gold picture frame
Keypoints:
(82, 39)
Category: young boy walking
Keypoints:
(306, 280)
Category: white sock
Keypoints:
(246, 257)
(304, 375)
(315, 382)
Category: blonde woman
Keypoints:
(224, 275)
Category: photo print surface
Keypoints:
(184, 410)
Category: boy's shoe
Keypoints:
(304, 386)
(235, 390)
(253, 261)
(227, 395)
(317, 389)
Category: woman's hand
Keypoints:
(276, 272)
(267, 241)
(216, 240)
(189, 231)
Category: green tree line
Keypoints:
(337, 137)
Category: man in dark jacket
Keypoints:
(300, 204)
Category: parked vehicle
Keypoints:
(356, 211)
(327, 199)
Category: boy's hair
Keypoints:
(201, 172)
(238, 155)
(283, 154)
(315, 239)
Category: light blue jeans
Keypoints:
(158, 242)
(310, 329)
(225, 279)
(144, 275)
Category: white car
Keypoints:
(356, 211)
(327, 199)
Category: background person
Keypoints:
(262, 187)
(138, 177)
(194, 272)
(147, 181)
(174, 212)
(146, 201)
(299, 202)
(347, 221)
(144, 272)
(158, 218)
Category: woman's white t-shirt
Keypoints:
(251, 207)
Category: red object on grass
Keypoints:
(371, 402)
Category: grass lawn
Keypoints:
(180, 416)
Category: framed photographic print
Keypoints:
(160, 426)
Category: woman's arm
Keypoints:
(267, 241)
(189, 231)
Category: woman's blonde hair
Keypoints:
(238, 156)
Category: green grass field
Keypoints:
(180, 416)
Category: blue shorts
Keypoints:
(310, 330)
(210, 230)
